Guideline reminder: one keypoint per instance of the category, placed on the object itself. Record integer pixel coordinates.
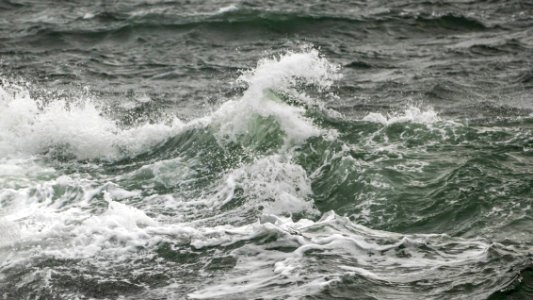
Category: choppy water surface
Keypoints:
(266, 150)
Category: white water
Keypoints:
(90, 217)
(31, 126)
(411, 114)
(28, 127)
(35, 212)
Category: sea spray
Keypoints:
(258, 199)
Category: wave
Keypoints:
(80, 128)
(270, 253)
(450, 22)
(270, 191)
(30, 126)
(237, 19)
(364, 258)
(241, 16)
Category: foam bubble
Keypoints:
(277, 74)
(411, 114)
(79, 128)
(274, 183)
(351, 250)
(29, 126)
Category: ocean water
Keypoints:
(158, 149)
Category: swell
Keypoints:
(246, 19)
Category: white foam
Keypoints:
(354, 249)
(225, 9)
(279, 74)
(29, 126)
(411, 114)
(65, 227)
(88, 15)
(64, 224)
(101, 223)
(275, 183)
(78, 127)
(282, 72)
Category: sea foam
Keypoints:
(79, 127)
(30, 126)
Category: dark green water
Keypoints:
(266, 150)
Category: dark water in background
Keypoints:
(266, 149)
